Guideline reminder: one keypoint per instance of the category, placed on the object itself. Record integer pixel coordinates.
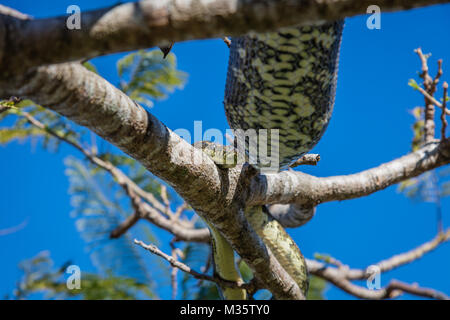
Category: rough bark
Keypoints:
(26, 42)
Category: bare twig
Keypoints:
(174, 272)
(439, 73)
(443, 119)
(342, 275)
(328, 259)
(164, 195)
(413, 255)
(165, 199)
(308, 159)
(430, 88)
(432, 99)
(200, 276)
(14, 229)
(301, 188)
(413, 289)
(179, 210)
(227, 41)
(125, 225)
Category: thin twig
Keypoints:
(413, 289)
(174, 272)
(14, 229)
(430, 88)
(437, 103)
(179, 210)
(439, 73)
(308, 159)
(227, 41)
(329, 259)
(416, 253)
(443, 119)
(341, 276)
(197, 275)
(125, 225)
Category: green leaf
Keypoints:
(88, 65)
(98, 209)
(317, 288)
(146, 76)
(21, 128)
(39, 276)
(9, 135)
(412, 83)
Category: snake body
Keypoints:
(283, 80)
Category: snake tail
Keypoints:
(225, 266)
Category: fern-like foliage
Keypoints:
(19, 127)
(433, 185)
(146, 75)
(135, 171)
(98, 209)
(41, 277)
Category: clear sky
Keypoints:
(371, 124)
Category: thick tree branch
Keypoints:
(131, 26)
(297, 187)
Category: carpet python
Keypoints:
(283, 80)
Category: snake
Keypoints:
(285, 81)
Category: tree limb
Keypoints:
(28, 43)
(342, 275)
(298, 187)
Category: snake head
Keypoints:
(225, 157)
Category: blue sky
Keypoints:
(371, 124)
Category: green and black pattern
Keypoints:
(284, 80)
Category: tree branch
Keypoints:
(197, 275)
(342, 275)
(132, 26)
(298, 187)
